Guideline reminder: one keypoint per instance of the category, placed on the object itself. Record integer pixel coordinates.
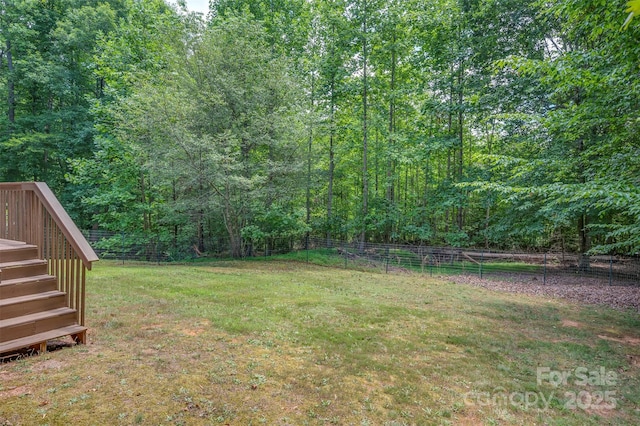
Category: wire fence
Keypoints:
(124, 247)
(388, 258)
(614, 270)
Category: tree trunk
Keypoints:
(460, 170)
(235, 244)
(392, 107)
(202, 197)
(309, 148)
(376, 164)
(332, 164)
(11, 97)
(146, 221)
(583, 221)
(232, 223)
(174, 196)
(488, 214)
(585, 243)
(449, 149)
(365, 178)
(390, 193)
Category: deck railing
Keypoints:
(30, 212)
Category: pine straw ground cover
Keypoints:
(283, 343)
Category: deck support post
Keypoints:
(80, 338)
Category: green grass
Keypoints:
(288, 343)
(322, 257)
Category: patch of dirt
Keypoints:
(50, 364)
(197, 329)
(634, 360)
(569, 323)
(627, 340)
(152, 327)
(589, 291)
(193, 332)
(16, 391)
(6, 376)
(601, 412)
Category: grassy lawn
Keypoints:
(285, 343)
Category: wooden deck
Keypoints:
(8, 244)
(32, 309)
(43, 261)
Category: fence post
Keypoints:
(481, 262)
(544, 278)
(346, 258)
(431, 262)
(122, 252)
(610, 269)
(386, 254)
(307, 245)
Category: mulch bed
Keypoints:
(592, 291)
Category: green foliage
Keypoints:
(209, 135)
(474, 123)
(286, 22)
(114, 204)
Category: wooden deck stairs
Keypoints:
(43, 262)
(32, 309)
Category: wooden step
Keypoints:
(31, 303)
(16, 251)
(32, 310)
(40, 339)
(27, 285)
(22, 268)
(27, 325)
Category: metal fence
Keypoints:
(125, 246)
(614, 270)
(389, 258)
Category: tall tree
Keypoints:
(50, 79)
(227, 130)
(583, 100)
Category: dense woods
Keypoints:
(473, 123)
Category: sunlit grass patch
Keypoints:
(288, 343)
